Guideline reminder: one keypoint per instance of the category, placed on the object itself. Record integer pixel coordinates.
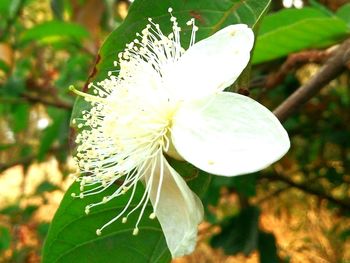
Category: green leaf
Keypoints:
(267, 248)
(57, 7)
(43, 229)
(315, 4)
(72, 234)
(5, 7)
(4, 66)
(55, 131)
(239, 234)
(344, 13)
(28, 212)
(5, 238)
(52, 31)
(45, 187)
(292, 30)
(20, 115)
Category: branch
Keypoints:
(25, 161)
(55, 103)
(344, 204)
(332, 68)
(294, 60)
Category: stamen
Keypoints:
(135, 231)
(125, 132)
(152, 216)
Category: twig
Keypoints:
(293, 61)
(57, 103)
(273, 194)
(345, 204)
(26, 160)
(332, 68)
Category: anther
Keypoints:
(135, 231)
(81, 195)
(98, 232)
(152, 216)
(124, 220)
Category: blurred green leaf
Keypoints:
(315, 4)
(52, 30)
(5, 238)
(345, 235)
(54, 132)
(239, 234)
(20, 116)
(28, 211)
(292, 30)
(5, 7)
(14, 7)
(344, 13)
(267, 248)
(57, 7)
(45, 187)
(3, 66)
(11, 210)
(72, 234)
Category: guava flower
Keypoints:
(166, 101)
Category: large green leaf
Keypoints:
(53, 30)
(344, 13)
(292, 30)
(72, 236)
(67, 241)
(5, 238)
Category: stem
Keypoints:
(345, 204)
(332, 68)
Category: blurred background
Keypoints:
(299, 208)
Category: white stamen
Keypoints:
(123, 136)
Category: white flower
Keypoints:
(165, 100)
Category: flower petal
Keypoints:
(179, 210)
(228, 135)
(212, 64)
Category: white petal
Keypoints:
(179, 211)
(212, 64)
(228, 135)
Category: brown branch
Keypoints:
(344, 204)
(55, 103)
(332, 68)
(292, 62)
(25, 161)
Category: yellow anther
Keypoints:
(135, 231)
(152, 216)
